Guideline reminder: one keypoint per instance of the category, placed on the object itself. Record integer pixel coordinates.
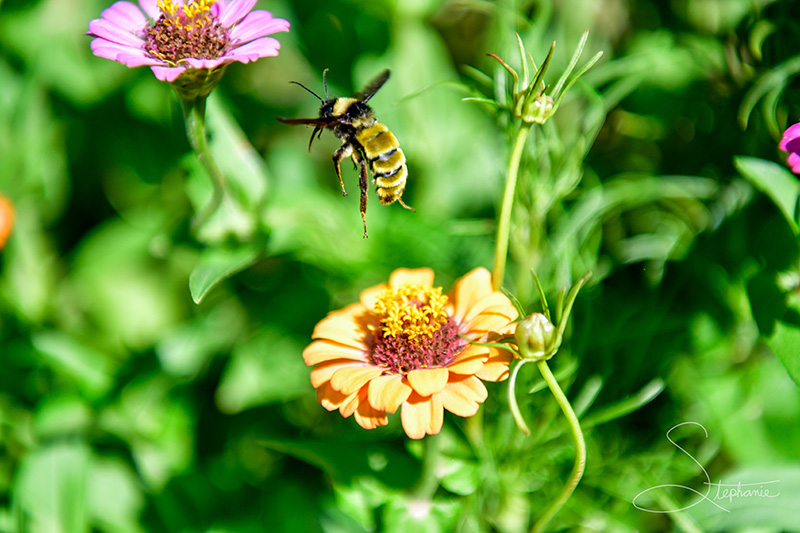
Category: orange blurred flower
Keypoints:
(400, 346)
(6, 219)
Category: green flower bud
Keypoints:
(537, 110)
(536, 337)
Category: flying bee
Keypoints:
(364, 139)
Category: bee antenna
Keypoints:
(309, 90)
(325, 83)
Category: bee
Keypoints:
(364, 140)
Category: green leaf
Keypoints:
(88, 368)
(243, 167)
(626, 405)
(346, 461)
(267, 369)
(50, 491)
(217, 264)
(775, 510)
(785, 342)
(774, 181)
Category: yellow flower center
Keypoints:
(411, 310)
(191, 8)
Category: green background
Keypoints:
(125, 406)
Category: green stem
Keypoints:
(580, 449)
(194, 115)
(504, 224)
(428, 481)
(512, 398)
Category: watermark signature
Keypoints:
(725, 491)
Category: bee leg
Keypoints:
(362, 183)
(406, 206)
(346, 150)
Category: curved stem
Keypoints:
(580, 449)
(504, 224)
(194, 115)
(512, 398)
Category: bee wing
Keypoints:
(321, 123)
(318, 123)
(373, 86)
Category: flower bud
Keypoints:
(537, 109)
(536, 337)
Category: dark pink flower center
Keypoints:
(186, 31)
(400, 354)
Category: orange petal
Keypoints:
(323, 372)
(321, 351)
(414, 276)
(329, 398)
(464, 396)
(488, 322)
(469, 290)
(421, 416)
(349, 406)
(470, 360)
(349, 379)
(369, 296)
(367, 416)
(346, 326)
(495, 303)
(428, 381)
(387, 393)
(496, 367)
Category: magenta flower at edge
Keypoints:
(172, 36)
(791, 143)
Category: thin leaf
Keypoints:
(572, 62)
(481, 100)
(542, 297)
(774, 181)
(625, 406)
(580, 73)
(588, 394)
(515, 302)
(217, 264)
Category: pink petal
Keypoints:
(264, 47)
(151, 8)
(794, 162)
(169, 74)
(206, 63)
(218, 7)
(235, 11)
(126, 16)
(115, 34)
(792, 145)
(791, 133)
(257, 24)
(137, 60)
(109, 50)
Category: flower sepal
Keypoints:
(530, 103)
(193, 84)
(537, 338)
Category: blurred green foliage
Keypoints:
(126, 406)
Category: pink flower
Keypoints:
(791, 143)
(172, 36)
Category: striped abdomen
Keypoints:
(387, 161)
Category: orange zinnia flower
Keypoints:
(6, 219)
(401, 345)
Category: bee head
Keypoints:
(326, 109)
